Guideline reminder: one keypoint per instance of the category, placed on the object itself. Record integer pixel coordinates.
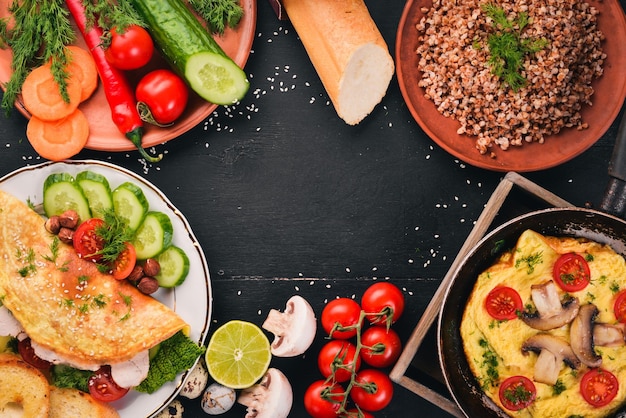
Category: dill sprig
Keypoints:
(507, 48)
(218, 14)
(114, 233)
(40, 31)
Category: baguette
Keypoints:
(24, 390)
(347, 51)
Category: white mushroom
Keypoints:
(581, 336)
(551, 313)
(196, 381)
(270, 398)
(553, 352)
(294, 329)
(607, 335)
(174, 410)
(217, 399)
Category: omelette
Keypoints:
(558, 340)
(65, 304)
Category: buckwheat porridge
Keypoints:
(510, 72)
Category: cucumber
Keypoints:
(130, 204)
(174, 267)
(153, 235)
(61, 192)
(97, 191)
(192, 51)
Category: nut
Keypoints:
(66, 235)
(136, 275)
(151, 267)
(69, 219)
(148, 285)
(53, 225)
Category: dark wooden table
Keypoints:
(285, 198)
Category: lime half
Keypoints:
(238, 354)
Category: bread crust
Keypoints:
(23, 385)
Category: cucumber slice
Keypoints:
(174, 267)
(97, 191)
(61, 193)
(153, 235)
(130, 204)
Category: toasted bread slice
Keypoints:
(24, 390)
(72, 403)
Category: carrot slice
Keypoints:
(60, 139)
(83, 67)
(41, 96)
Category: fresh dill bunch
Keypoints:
(115, 233)
(507, 48)
(218, 14)
(39, 33)
(107, 14)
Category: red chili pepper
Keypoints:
(118, 92)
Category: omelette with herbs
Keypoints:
(543, 330)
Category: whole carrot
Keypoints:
(118, 92)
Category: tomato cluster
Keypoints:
(161, 94)
(359, 334)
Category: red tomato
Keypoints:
(341, 312)
(27, 352)
(337, 356)
(372, 391)
(598, 387)
(129, 50)
(384, 298)
(503, 303)
(620, 306)
(322, 399)
(353, 412)
(103, 387)
(164, 94)
(125, 262)
(87, 243)
(381, 346)
(571, 272)
(517, 392)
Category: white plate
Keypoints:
(191, 300)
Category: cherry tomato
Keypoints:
(341, 312)
(620, 306)
(27, 352)
(164, 94)
(353, 412)
(125, 262)
(87, 243)
(338, 356)
(517, 392)
(598, 387)
(385, 298)
(503, 303)
(373, 390)
(131, 49)
(381, 346)
(103, 387)
(322, 399)
(571, 272)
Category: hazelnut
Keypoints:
(148, 285)
(136, 274)
(151, 267)
(53, 225)
(66, 235)
(69, 219)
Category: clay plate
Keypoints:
(104, 135)
(610, 91)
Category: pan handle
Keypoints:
(614, 201)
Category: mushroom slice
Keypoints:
(581, 336)
(294, 329)
(552, 351)
(270, 398)
(607, 335)
(551, 313)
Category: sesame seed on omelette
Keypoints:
(494, 347)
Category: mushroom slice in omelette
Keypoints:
(555, 358)
(65, 304)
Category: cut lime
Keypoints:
(238, 354)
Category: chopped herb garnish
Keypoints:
(531, 261)
(54, 250)
(490, 361)
(558, 387)
(614, 287)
